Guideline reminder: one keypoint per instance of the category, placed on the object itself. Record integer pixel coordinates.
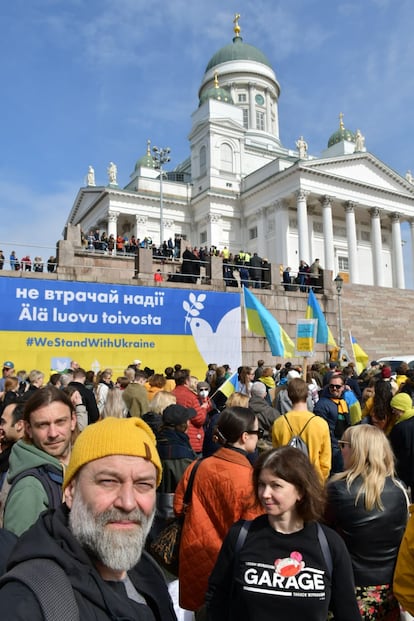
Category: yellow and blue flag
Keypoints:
(360, 357)
(261, 321)
(229, 386)
(314, 311)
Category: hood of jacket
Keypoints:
(25, 455)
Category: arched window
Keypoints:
(226, 157)
(203, 161)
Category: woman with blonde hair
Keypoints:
(237, 399)
(367, 505)
(114, 404)
(159, 402)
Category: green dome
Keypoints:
(216, 92)
(341, 134)
(146, 160)
(237, 51)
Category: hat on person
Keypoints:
(293, 374)
(333, 365)
(374, 363)
(137, 362)
(176, 414)
(402, 401)
(113, 436)
(8, 365)
(203, 386)
(386, 372)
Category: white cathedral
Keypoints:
(241, 189)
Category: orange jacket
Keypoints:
(222, 494)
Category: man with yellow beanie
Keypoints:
(402, 437)
(97, 536)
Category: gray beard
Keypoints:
(117, 550)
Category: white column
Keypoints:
(252, 107)
(397, 253)
(281, 223)
(112, 221)
(215, 229)
(303, 229)
(376, 247)
(261, 232)
(268, 111)
(329, 258)
(352, 242)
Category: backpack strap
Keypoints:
(189, 489)
(326, 551)
(303, 428)
(241, 538)
(51, 479)
(50, 585)
(306, 424)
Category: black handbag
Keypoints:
(165, 548)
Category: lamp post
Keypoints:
(160, 157)
(339, 281)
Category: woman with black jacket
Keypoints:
(367, 506)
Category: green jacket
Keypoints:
(28, 498)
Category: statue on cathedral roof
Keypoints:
(359, 141)
(112, 172)
(302, 147)
(91, 176)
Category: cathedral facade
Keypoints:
(242, 189)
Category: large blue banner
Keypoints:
(45, 324)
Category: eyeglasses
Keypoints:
(343, 443)
(335, 386)
(258, 432)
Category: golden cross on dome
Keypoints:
(236, 24)
(341, 120)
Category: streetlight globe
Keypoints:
(339, 281)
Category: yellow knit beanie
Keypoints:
(402, 401)
(113, 436)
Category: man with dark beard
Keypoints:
(98, 535)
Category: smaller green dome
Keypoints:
(216, 92)
(146, 160)
(341, 134)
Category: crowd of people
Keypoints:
(300, 478)
(25, 264)
(307, 277)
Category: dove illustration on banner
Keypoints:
(222, 345)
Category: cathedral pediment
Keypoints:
(364, 169)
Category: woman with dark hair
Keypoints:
(287, 566)
(222, 493)
(245, 380)
(378, 407)
(367, 505)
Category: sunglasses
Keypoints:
(258, 432)
(335, 386)
(343, 443)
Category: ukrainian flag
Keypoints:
(229, 386)
(314, 311)
(260, 321)
(361, 358)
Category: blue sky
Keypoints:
(89, 81)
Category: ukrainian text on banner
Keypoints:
(46, 324)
